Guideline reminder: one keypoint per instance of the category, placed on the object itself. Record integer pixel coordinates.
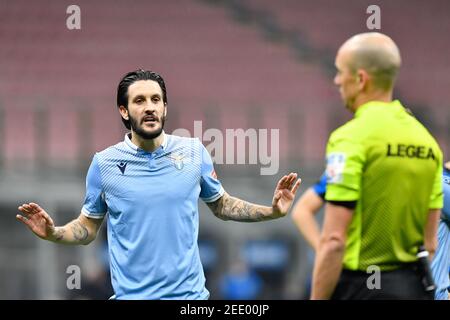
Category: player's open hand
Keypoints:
(284, 194)
(37, 220)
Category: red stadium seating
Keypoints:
(208, 61)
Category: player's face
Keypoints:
(146, 109)
(346, 80)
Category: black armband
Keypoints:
(346, 204)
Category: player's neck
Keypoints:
(148, 145)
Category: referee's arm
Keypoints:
(328, 264)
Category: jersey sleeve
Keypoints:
(211, 188)
(344, 165)
(94, 203)
(446, 208)
(320, 187)
(440, 266)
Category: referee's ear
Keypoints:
(362, 78)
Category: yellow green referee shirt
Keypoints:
(388, 162)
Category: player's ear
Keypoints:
(165, 110)
(124, 112)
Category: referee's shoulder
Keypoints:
(351, 129)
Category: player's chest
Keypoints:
(147, 176)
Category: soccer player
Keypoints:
(303, 215)
(149, 184)
(384, 183)
(441, 262)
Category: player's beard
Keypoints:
(144, 134)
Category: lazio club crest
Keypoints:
(177, 160)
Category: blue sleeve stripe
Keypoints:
(92, 215)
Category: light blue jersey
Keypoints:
(152, 205)
(441, 261)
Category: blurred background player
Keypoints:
(241, 283)
(440, 265)
(304, 216)
(384, 183)
(149, 185)
(304, 211)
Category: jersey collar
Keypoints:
(395, 104)
(134, 147)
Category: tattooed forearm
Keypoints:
(231, 208)
(59, 233)
(80, 232)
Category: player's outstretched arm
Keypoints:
(231, 208)
(82, 230)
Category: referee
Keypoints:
(384, 184)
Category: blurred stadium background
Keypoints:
(232, 64)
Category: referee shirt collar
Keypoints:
(134, 147)
(395, 104)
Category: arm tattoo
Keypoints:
(59, 234)
(231, 208)
(79, 231)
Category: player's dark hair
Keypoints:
(129, 79)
